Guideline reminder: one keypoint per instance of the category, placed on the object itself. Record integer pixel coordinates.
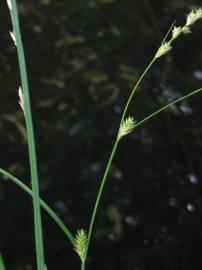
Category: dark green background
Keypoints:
(83, 58)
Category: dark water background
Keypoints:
(83, 57)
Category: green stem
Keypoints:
(98, 200)
(54, 216)
(147, 118)
(31, 142)
(135, 89)
(106, 173)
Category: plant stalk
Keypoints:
(30, 135)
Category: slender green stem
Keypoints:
(30, 134)
(141, 78)
(106, 173)
(2, 265)
(54, 216)
(135, 89)
(150, 116)
(98, 200)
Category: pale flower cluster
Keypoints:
(192, 17)
(80, 241)
(127, 126)
(21, 98)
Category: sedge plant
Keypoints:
(81, 241)
(128, 124)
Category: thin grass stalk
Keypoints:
(51, 213)
(106, 173)
(30, 134)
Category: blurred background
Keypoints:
(83, 58)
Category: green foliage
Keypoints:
(192, 17)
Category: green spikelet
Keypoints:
(127, 126)
(80, 241)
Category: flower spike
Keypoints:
(127, 126)
(80, 241)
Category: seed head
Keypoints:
(163, 49)
(80, 241)
(127, 127)
(176, 32)
(194, 16)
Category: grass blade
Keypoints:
(54, 216)
(155, 113)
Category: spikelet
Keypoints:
(21, 98)
(13, 37)
(192, 17)
(80, 241)
(9, 3)
(176, 32)
(163, 49)
(127, 127)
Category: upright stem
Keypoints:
(106, 173)
(30, 135)
(135, 88)
(98, 200)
